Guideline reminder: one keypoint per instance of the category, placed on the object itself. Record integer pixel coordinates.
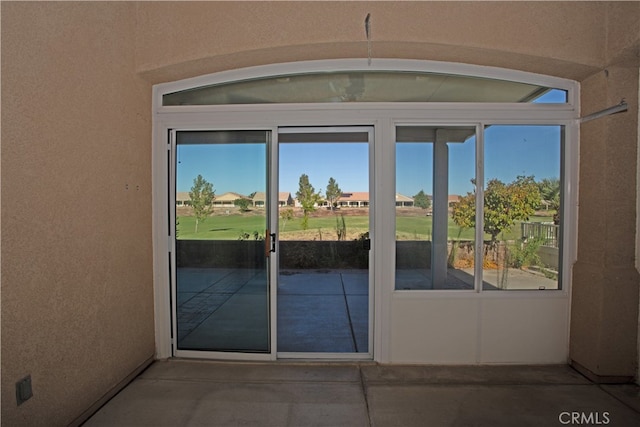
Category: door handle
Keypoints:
(366, 244)
(269, 243)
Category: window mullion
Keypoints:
(479, 243)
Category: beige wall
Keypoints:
(177, 40)
(77, 308)
(638, 226)
(76, 201)
(604, 317)
(605, 292)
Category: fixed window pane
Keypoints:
(522, 207)
(435, 166)
(364, 86)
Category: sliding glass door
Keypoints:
(325, 201)
(221, 241)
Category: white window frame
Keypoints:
(383, 117)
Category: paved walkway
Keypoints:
(201, 393)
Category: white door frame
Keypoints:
(271, 262)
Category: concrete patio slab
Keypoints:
(476, 375)
(207, 393)
(317, 323)
(199, 279)
(310, 284)
(227, 309)
(196, 403)
(356, 283)
(201, 370)
(359, 314)
(226, 330)
(495, 405)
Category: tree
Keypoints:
(308, 198)
(421, 200)
(504, 204)
(550, 193)
(201, 194)
(286, 215)
(333, 193)
(242, 203)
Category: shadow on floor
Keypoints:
(198, 393)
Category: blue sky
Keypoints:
(240, 168)
(509, 151)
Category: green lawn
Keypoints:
(420, 228)
(233, 226)
(407, 228)
(220, 227)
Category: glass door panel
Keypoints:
(323, 237)
(221, 297)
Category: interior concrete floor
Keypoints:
(206, 393)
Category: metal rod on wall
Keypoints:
(606, 112)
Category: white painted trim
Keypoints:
(161, 279)
(472, 294)
(172, 240)
(479, 236)
(274, 222)
(384, 260)
(437, 110)
(325, 356)
(373, 284)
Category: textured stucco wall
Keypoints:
(77, 307)
(177, 40)
(638, 228)
(605, 289)
(605, 297)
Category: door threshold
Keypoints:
(325, 357)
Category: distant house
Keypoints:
(224, 200)
(284, 199)
(403, 201)
(357, 199)
(453, 199)
(183, 198)
(227, 199)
